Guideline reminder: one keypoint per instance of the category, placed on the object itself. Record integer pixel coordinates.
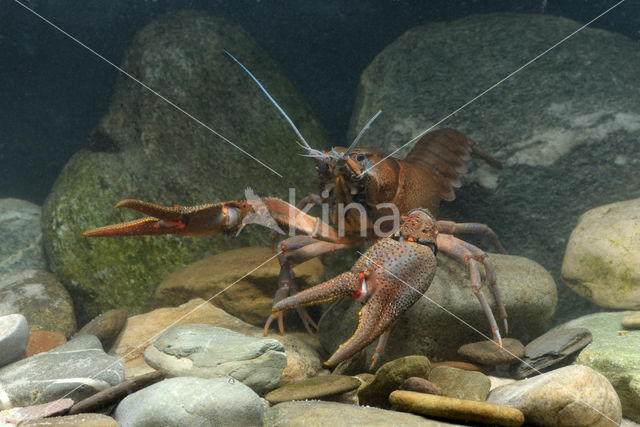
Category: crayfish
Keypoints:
(370, 196)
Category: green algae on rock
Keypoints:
(156, 153)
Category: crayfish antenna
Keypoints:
(362, 131)
(304, 143)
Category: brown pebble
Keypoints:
(420, 385)
(489, 353)
(41, 341)
(106, 327)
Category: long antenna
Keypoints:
(273, 101)
(362, 131)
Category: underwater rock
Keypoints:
(76, 370)
(79, 420)
(389, 377)
(163, 156)
(22, 247)
(302, 360)
(602, 260)
(460, 384)
(314, 388)
(456, 409)
(549, 350)
(249, 299)
(420, 385)
(204, 351)
(567, 135)
(528, 293)
(39, 296)
(41, 341)
(631, 321)
(574, 395)
(489, 353)
(105, 327)
(614, 354)
(14, 337)
(318, 413)
(20, 415)
(187, 401)
(467, 366)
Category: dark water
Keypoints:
(54, 91)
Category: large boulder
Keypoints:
(602, 260)
(553, 124)
(527, 290)
(613, 353)
(145, 148)
(21, 247)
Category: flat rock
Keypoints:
(456, 409)
(14, 337)
(186, 401)
(420, 385)
(21, 233)
(249, 299)
(566, 147)
(303, 360)
(76, 370)
(488, 353)
(528, 292)
(41, 341)
(605, 267)
(106, 327)
(467, 366)
(319, 414)
(313, 388)
(574, 395)
(36, 412)
(205, 351)
(613, 354)
(551, 350)
(389, 377)
(41, 298)
(142, 144)
(631, 321)
(461, 384)
(79, 420)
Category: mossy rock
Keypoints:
(144, 148)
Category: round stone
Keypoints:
(461, 384)
(314, 388)
(14, 335)
(489, 353)
(420, 385)
(106, 327)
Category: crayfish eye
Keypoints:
(360, 157)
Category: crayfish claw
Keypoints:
(270, 319)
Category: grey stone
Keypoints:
(613, 353)
(76, 370)
(461, 384)
(41, 298)
(563, 130)
(574, 395)
(528, 292)
(319, 414)
(206, 351)
(189, 401)
(553, 348)
(21, 233)
(14, 337)
(605, 267)
(146, 149)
